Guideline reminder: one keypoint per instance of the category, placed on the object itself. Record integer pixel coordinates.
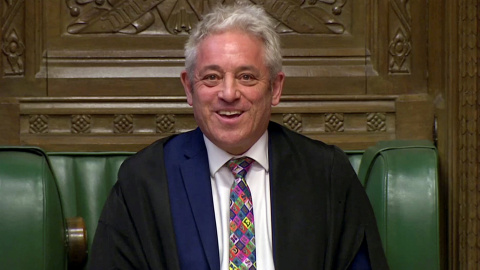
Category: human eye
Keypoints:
(247, 79)
(211, 79)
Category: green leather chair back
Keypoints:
(32, 229)
(85, 180)
(401, 180)
(355, 158)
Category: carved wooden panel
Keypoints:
(21, 48)
(132, 123)
(339, 56)
(13, 38)
(134, 47)
(358, 50)
(397, 46)
(90, 45)
(84, 47)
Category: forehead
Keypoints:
(230, 47)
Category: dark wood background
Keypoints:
(104, 75)
(95, 75)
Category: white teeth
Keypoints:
(228, 113)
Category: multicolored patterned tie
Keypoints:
(242, 230)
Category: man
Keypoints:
(176, 204)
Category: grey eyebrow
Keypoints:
(211, 67)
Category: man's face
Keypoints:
(232, 93)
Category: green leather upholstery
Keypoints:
(85, 180)
(355, 158)
(401, 180)
(32, 229)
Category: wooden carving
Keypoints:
(38, 123)
(13, 45)
(165, 123)
(376, 122)
(400, 45)
(467, 175)
(111, 16)
(334, 122)
(179, 16)
(123, 123)
(293, 121)
(81, 123)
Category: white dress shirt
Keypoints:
(259, 182)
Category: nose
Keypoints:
(229, 91)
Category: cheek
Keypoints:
(202, 104)
(199, 98)
(263, 102)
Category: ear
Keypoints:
(277, 87)
(187, 86)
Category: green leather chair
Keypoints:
(401, 181)
(32, 227)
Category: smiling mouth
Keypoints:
(229, 114)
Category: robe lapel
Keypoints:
(289, 204)
(196, 177)
(279, 183)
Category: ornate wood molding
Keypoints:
(129, 123)
(465, 183)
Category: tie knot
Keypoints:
(240, 166)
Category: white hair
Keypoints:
(251, 19)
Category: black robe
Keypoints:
(321, 216)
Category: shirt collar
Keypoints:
(217, 157)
